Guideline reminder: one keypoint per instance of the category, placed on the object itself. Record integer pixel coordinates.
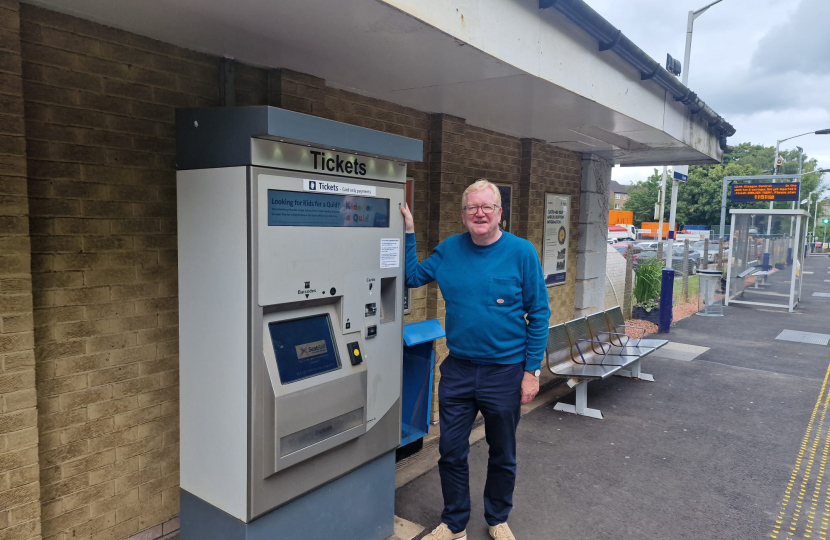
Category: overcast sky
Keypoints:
(764, 65)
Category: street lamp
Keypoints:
(667, 281)
(775, 169)
(687, 57)
(815, 214)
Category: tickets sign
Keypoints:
(764, 192)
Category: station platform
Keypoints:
(729, 442)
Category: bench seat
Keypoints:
(614, 322)
(572, 370)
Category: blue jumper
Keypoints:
(488, 290)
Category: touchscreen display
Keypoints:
(303, 347)
(298, 209)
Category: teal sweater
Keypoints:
(488, 290)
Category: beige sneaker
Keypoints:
(501, 532)
(442, 532)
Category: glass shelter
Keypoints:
(766, 257)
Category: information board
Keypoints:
(295, 209)
(764, 192)
(557, 237)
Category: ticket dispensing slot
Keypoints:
(388, 297)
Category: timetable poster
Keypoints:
(556, 239)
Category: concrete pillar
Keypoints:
(593, 233)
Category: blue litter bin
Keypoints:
(418, 364)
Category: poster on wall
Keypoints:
(557, 237)
(506, 206)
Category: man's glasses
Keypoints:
(486, 208)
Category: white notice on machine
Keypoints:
(390, 252)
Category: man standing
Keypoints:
(496, 323)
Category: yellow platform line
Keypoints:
(809, 468)
(811, 514)
(785, 501)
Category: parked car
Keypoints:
(646, 255)
(677, 259)
(648, 244)
(628, 247)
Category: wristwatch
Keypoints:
(536, 373)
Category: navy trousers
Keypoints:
(465, 389)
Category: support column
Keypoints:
(20, 511)
(593, 234)
(446, 184)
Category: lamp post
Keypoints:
(809, 201)
(690, 25)
(667, 283)
(775, 172)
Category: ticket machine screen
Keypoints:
(296, 209)
(304, 347)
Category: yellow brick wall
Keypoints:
(100, 139)
(19, 471)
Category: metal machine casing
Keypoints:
(251, 442)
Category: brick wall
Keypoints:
(548, 169)
(19, 471)
(99, 112)
(100, 136)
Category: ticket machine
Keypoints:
(291, 285)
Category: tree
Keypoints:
(642, 196)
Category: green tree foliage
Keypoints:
(699, 199)
(642, 196)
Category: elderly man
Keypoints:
(497, 319)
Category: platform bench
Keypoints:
(594, 348)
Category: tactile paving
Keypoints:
(804, 337)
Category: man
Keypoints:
(496, 323)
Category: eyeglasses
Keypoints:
(486, 208)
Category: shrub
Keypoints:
(647, 279)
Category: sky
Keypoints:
(764, 65)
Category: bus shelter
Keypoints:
(766, 257)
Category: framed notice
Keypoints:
(557, 237)
(506, 206)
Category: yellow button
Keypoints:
(356, 352)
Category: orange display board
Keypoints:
(765, 192)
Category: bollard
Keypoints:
(685, 270)
(666, 291)
(766, 265)
(790, 256)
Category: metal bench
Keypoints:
(615, 322)
(760, 274)
(620, 345)
(577, 362)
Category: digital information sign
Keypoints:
(295, 209)
(764, 192)
(304, 347)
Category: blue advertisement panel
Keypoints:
(304, 348)
(297, 209)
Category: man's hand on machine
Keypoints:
(409, 223)
(530, 387)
